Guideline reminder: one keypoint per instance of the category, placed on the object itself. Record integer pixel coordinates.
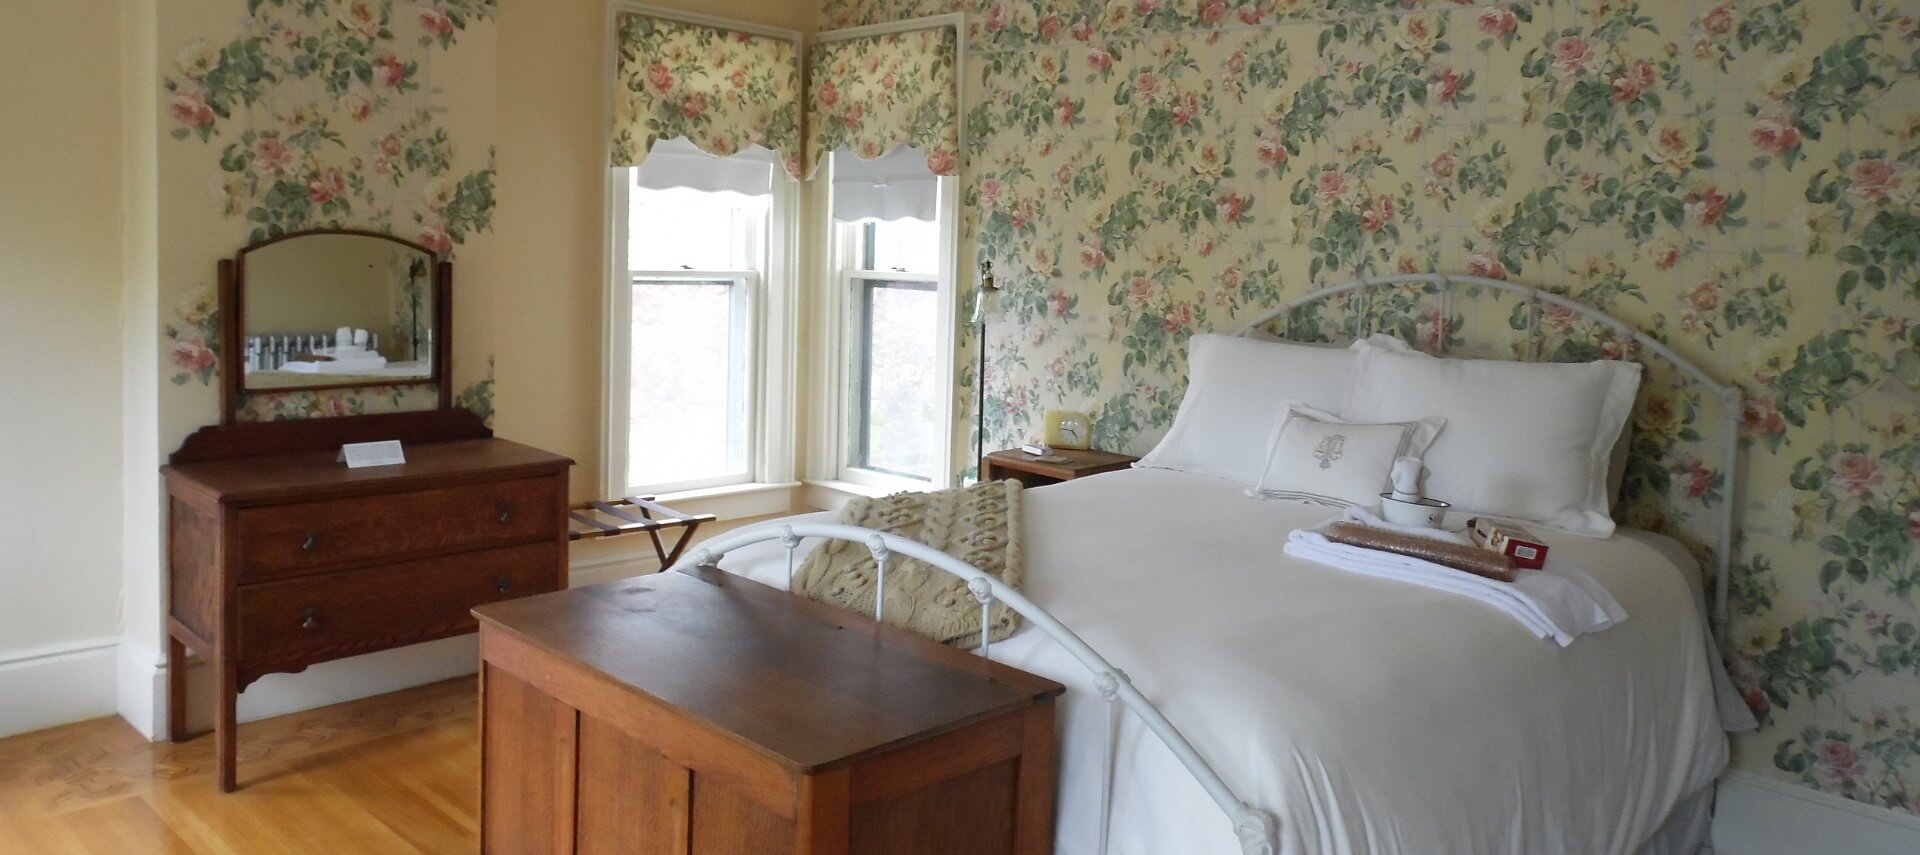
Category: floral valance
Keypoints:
(723, 91)
(873, 95)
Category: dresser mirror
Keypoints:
(333, 309)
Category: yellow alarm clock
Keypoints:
(1068, 429)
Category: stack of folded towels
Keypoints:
(1558, 601)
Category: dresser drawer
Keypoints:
(329, 615)
(280, 539)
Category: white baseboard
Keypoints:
(142, 688)
(57, 684)
(1758, 815)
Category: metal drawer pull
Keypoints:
(503, 584)
(313, 542)
(310, 620)
(506, 511)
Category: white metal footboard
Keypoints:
(1257, 830)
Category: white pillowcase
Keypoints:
(1235, 390)
(1525, 440)
(1323, 459)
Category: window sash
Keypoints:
(868, 284)
(743, 357)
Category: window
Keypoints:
(690, 303)
(891, 253)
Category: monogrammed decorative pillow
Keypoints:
(1320, 458)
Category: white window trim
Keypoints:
(834, 422)
(771, 328)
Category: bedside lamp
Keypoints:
(986, 301)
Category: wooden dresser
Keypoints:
(700, 713)
(280, 558)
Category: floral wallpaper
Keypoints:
(723, 91)
(323, 114)
(1742, 178)
(873, 95)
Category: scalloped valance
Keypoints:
(722, 90)
(876, 94)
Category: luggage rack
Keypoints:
(615, 517)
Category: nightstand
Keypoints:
(1020, 466)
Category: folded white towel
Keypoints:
(1559, 601)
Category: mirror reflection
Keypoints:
(336, 310)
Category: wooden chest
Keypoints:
(704, 714)
(280, 561)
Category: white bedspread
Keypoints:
(1370, 716)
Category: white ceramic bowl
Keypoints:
(1427, 513)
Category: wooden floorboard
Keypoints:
(397, 773)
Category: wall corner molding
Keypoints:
(1758, 815)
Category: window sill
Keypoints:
(734, 501)
(831, 493)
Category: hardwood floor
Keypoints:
(397, 773)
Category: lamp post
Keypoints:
(985, 301)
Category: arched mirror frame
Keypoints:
(232, 274)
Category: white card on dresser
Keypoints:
(366, 455)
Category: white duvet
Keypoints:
(1369, 716)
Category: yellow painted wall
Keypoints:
(60, 279)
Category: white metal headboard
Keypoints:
(1730, 398)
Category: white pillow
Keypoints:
(1525, 440)
(1235, 390)
(1323, 459)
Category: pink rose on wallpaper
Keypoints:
(435, 22)
(999, 16)
(190, 109)
(434, 236)
(1144, 8)
(1272, 151)
(1699, 480)
(327, 186)
(1212, 11)
(1051, 27)
(272, 155)
(1083, 29)
(1093, 256)
(1612, 348)
(660, 77)
(1719, 20)
(391, 145)
(991, 190)
(1058, 367)
(1233, 206)
(1378, 215)
(1857, 474)
(1064, 112)
(1875, 622)
(1839, 761)
(359, 108)
(1252, 14)
(1184, 111)
(389, 70)
(941, 161)
(1237, 63)
(1499, 21)
(738, 79)
(1444, 87)
(1633, 80)
(1706, 207)
(1910, 28)
(1099, 58)
(1179, 318)
(191, 354)
(1672, 149)
(1872, 178)
(1571, 55)
(1139, 290)
(1057, 304)
(1486, 262)
(694, 106)
(362, 20)
(1231, 278)
(1913, 525)
(1146, 86)
(1330, 186)
(1775, 135)
(1760, 417)
(1558, 318)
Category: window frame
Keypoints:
(840, 425)
(768, 328)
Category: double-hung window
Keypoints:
(892, 253)
(690, 302)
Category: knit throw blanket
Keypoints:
(980, 525)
